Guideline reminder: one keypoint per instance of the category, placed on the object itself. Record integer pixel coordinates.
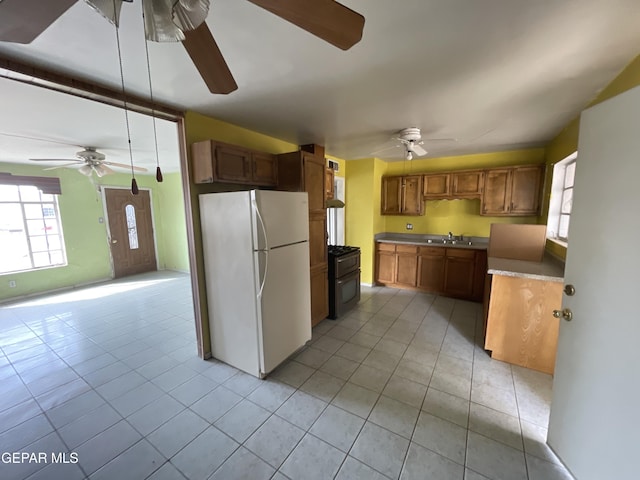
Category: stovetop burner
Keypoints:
(338, 250)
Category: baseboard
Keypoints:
(54, 290)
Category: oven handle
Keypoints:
(348, 277)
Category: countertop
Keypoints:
(477, 243)
(550, 269)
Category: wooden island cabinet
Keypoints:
(520, 326)
(445, 270)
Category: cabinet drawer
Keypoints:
(413, 249)
(432, 251)
(460, 253)
(386, 247)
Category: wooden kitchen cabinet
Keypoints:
(402, 195)
(459, 273)
(455, 272)
(512, 191)
(385, 263)
(431, 262)
(467, 184)
(521, 328)
(406, 265)
(304, 171)
(436, 186)
(221, 162)
(329, 188)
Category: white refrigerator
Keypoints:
(256, 261)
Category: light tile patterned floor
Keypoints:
(396, 389)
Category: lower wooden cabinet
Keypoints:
(406, 265)
(431, 264)
(454, 272)
(459, 273)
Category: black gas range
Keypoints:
(344, 279)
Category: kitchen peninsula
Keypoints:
(519, 301)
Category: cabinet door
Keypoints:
(406, 265)
(496, 195)
(459, 273)
(317, 239)
(232, 164)
(314, 171)
(412, 199)
(386, 267)
(329, 192)
(467, 184)
(525, 190)
(264, 169)
(391, 192)
(319, 295)
(436, 186)
(431, 272)
(202, 162)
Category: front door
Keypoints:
(594, 420)
(131, 231)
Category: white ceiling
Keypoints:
(492, 74)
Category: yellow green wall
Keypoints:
(566, 142)
(85, 238)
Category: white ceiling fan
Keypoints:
(91, 160)
(410, 139)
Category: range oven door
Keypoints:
(347, 292)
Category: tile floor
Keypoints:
(396, 389)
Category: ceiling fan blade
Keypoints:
(206, 56)
(60, 166)
(326, 19)
(124, 165)
(56, 160)
(418, 150)
(23, 20)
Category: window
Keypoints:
(561, 198)
(30, 230)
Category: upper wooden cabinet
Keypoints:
(221, 162)
(512, 191)
(436, 186)
(467, 184)
(452, 185)
(303, 172)
(329, 190)
(402, 195)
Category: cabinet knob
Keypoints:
(567, 314)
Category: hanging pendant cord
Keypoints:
(153, 114)
(124, 97)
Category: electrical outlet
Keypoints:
(409, 226)
(12, 284)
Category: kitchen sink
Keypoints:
(445, 241)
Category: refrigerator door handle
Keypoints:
(264, 275)
(266, 247)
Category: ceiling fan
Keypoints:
(410, 139)
(184, 20)
(92, 162)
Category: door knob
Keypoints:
(114, 241)
(569, 290)
(566, 314)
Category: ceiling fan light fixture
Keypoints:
(100, 170)
(85, 170)
(409, 155)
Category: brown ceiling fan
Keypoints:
(21, 21)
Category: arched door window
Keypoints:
(131, 226)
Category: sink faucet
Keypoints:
(450, 236)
